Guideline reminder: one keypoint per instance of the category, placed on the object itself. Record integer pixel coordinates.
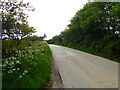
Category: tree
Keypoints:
(95, 27)
(14, 20)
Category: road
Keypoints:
(82, 70)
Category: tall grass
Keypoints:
(29, 68)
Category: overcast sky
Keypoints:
(52, 16)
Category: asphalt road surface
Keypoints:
(82, 70)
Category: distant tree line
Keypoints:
(94, 28)
(35, 38)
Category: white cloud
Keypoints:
(52, 16)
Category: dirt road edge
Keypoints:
(55, 80)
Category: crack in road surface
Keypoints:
(82, 70)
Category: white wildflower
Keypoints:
(14, 69)
(18, 62)
(19, 51)
(23, 74)
(18, 68)
(10, 71)
(6, 62)
(25, 71)
(4, 65)
(20, 76)
(13, 63)
(1, 65)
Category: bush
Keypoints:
(29, 69)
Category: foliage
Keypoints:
(34, 38)
(14, 20)
(25, 63)
(95, 28)
(9, 47)
(29, 68)
(56, 39)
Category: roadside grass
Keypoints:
(30, 68)
(113, 58)
(91, 51)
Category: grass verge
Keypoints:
(113, 58)
(30, 68)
